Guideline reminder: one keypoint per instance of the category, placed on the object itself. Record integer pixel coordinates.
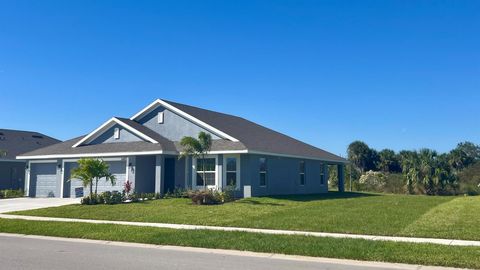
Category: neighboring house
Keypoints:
(13, 143)
(144, 149)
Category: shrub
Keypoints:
(178, 192)
(11, 193)
(207, 197)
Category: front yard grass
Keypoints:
(425, 254)
(359, 213)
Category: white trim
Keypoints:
(27, 180)
(237, 157)
(63, 178)
(158, 152)
(194, 173)
(174, 109)
(100, 155)
(105, 126)
(44, 161)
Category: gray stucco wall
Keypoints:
(108, 136)
(12, 175)
(283, 176)
(174, 126)
(145, 174)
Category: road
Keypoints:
(19, 252)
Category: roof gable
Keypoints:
(125, 123)
(199, 122)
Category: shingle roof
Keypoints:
(256, 137)
(16, 142)
(252, 137)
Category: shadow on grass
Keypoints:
(323, 196)
(254, 202)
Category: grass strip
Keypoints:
(425, 254)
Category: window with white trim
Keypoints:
(322, 173)
(231, 171)
(160, 117)
(302, 172)
(263, 172)
(205, 172)
(116, 133)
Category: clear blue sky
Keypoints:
(396, 74)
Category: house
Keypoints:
(144, 150)
(13, 143)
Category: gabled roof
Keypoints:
(16, 142)
(255, 137)
(238, 136)
(184, 114)
(125, 123)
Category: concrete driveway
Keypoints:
(19, 204)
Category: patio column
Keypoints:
(159, 173)
(341, 177)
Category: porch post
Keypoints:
(27, 179)
(341, 177)
(159, 173)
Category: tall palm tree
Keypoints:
(197, 148)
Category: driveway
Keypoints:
(19, 204)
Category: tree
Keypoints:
(3, 153)
(410, 168)
(388, 161)
(359, 154)
(464, 155)
(90, 171)
(197, 148)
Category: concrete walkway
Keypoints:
(448, 242)
(21, 204)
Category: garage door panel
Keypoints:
(117, 168)
(44, 180)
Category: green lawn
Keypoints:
(400, 215)
(426, 254)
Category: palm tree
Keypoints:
(197, 148)
(90, 171)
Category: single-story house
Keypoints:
(12, 144)
(144, 150)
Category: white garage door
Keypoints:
(43, 180)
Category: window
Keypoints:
(263, 172)
(116, 133)
(160, 117)
(302, 173)
(206, 171)
(231, 171)
(322, 174)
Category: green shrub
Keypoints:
(207, 197)
(11, 193)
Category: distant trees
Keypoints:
(425, 171)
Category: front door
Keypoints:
(169, 183)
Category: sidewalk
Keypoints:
(448, 242)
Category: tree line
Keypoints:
(424, 171)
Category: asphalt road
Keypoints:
(32, 253)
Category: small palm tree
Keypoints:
(197, 148)
(90, 171)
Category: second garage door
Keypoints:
(43, 181)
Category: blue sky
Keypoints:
(396, 74)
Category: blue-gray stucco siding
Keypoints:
(283, 176)
(108, 136)
(174, 126)
(12, 175)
